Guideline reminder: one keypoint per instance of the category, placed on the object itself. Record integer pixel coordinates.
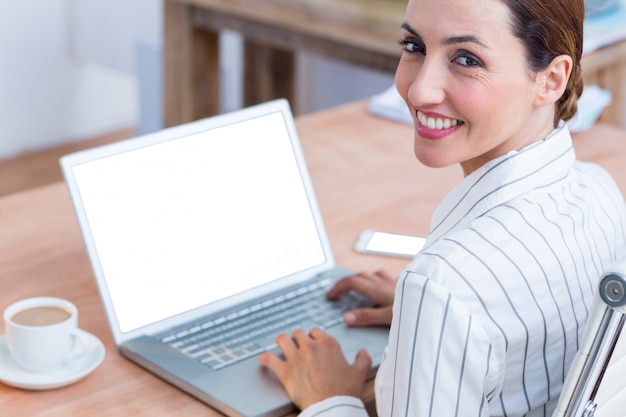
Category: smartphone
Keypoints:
(389, 244)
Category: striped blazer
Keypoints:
(489, 315)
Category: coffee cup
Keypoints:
(42, 333)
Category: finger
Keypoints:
(362, 363)
(317, 334)
(384, 275)
(270, 360)
(301, 340)
(299, 337)
(369, 316)
(341, 287)
(273, 362)
(363, 283)
(286, 344)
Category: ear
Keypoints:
(553, 80)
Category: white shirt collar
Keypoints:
(538, 165)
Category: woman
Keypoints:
(488, 316)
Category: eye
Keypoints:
(469, 61)
(411, 47)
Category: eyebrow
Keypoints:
(448, 41)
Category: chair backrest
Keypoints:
(602, 331)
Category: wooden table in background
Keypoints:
(365, 176)
(360, 32)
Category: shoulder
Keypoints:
(597, 179)
(424, 309)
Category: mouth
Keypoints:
(437, 123)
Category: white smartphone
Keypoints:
(389, 244)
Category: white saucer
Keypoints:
(12, 374)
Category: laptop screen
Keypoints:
(185, 222)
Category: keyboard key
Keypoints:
(239, 335)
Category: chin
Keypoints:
(432, 161)
(434, 158)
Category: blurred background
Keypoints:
(75, 69)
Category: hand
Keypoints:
(379, 287)
(314, 367)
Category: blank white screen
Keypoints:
(186, 222)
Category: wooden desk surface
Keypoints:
(365, 176)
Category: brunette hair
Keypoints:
(549, 28)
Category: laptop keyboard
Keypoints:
(229, 339)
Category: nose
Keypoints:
(426, 85)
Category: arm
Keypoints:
(314, 368)
(439, 359)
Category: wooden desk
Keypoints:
(361, 32)
(365, 176)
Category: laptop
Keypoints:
(206, 241)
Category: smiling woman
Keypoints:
(455, 72)
(487, 317)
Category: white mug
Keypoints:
(42, 333)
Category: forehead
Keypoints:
(484, 19)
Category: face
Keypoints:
(465, 79)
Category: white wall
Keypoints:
(73, 69)
(108, 32)
(124, 36)
(48, 94)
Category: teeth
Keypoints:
(436, 123)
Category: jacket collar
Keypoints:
(538, 165)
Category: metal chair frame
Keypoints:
(600, 337)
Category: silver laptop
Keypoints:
(206, 241)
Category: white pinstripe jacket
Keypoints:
(488, 316)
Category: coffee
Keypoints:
(41, 316)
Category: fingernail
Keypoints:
(349, 318)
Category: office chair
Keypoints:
(600, 336)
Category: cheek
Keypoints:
(492, 102)
(480, 106)
(403, 80)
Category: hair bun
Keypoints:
(567, 106)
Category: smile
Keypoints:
(437, 123)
